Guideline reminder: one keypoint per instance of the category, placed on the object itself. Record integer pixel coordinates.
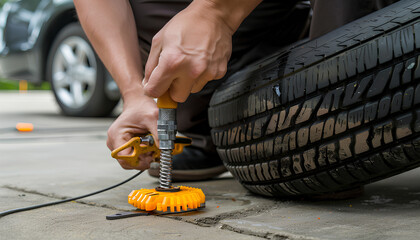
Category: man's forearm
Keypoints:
(233, 12)
(111, 29)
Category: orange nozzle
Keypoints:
(25, 127)
(165, 101)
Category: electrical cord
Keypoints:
(2, 214)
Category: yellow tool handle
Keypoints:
(165, 101)
(138, 148)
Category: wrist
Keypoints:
(133, 95)
(231, 12)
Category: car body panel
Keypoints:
(25, 26)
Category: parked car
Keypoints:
(42, 40)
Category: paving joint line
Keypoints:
(215, 222)
(212, 221)
(266, 235)
(201, 222)
(54, 196)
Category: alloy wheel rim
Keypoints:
(74, 72)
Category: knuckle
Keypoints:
(221, 72)
(152, 91)
(197, 70)
(195, 73)
(156, 39)
(173, 61)
(213, 74)
(110, 130)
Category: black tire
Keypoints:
(100, 103)
(328, 115)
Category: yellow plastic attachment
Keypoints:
(138, 147)
(165, 101)
(186, 199)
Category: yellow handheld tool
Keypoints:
(142, 145)
(164, 198)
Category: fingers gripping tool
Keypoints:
(165, 198)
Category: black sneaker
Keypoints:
(193, 164)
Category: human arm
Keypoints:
(197, 41)
(111, 29)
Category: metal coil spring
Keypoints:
(165, 177)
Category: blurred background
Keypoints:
(43, 47)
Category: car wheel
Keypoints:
(77, 76)
(328, 115)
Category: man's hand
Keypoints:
(111, 29)
(192, 49)
(139, 117)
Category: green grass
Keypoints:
(14, 85)
(6, 84)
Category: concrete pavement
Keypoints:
(66, 157)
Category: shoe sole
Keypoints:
(191, 175)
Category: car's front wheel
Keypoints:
(78, 78)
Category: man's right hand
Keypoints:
(139, 117)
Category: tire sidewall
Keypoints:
(317, 120)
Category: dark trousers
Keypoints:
(272, 25)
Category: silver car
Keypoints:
(42, 40)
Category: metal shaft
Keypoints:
(165, 175)
(167, 134)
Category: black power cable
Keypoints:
(2, 214)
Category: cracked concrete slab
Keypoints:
(72, 167)
(65, 163)
(389, 209)
(67, 157)
(77, 221)
(85, 166)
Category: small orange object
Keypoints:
(23, 86)
(217, 207)
(319, 218)
(25, 127)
